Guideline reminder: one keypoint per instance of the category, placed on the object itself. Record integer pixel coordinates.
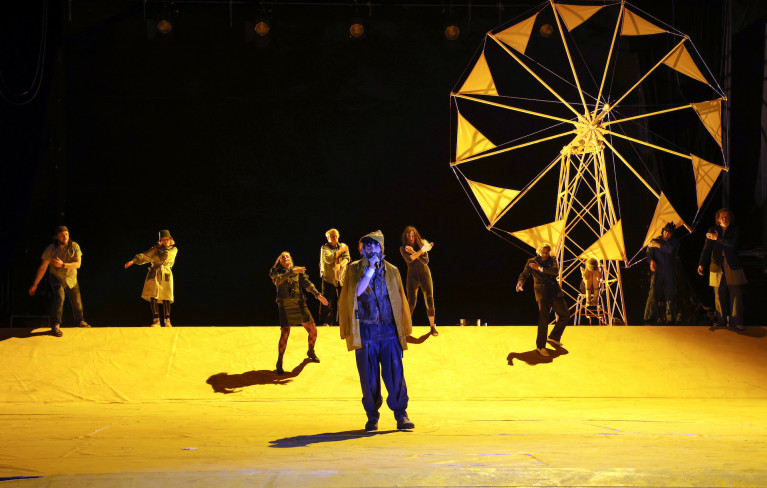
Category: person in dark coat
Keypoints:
(548, 294)
(720, 255)
(662, 255)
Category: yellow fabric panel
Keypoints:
(609, 247)
(480, 81)
(710, 114)
(634, 25)
(518, 35)
(705, 176)
(664, 213)
(681, 61)
(575, 15)
(492, 199)
(470, 141)
(536, 236)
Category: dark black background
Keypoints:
(244, 150)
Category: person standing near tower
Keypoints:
(548, 295)
(415, 252)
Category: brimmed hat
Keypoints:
(165, 233)
(60, 228)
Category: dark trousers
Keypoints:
(420, 278)
(329, 314)
(662, 291)
(57, 307)
(381, 358)
(728, 300)
(544, 317)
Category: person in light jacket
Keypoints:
(158, 286)
(374, 319)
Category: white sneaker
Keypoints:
(155, 323)
(556, 343)
(543, 352)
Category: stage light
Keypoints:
(164, 27)
(357, 30)
(546, 30)
(451, 31)
(262, 28)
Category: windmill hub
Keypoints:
(588, 138)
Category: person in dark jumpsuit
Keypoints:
(662, 255)
(374, 319)
(415, 252)
(548, 294)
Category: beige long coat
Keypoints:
(159, 278)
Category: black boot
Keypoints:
(280, 371)
(310, 354)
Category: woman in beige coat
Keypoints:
(158, 285)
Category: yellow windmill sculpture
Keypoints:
(581, 115)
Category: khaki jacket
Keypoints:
(159, 278)
(347, 304)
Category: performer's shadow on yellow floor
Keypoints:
(755, 332)
(232, 383)
(305, 440)
(532, 357)
(18, 333)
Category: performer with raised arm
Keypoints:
(334, 256)
(375, 321)
(662, 254)
(61, 260)
(415, 252)
(291, 281)
(548, 295)
(158, 285)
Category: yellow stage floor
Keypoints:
(201, 406)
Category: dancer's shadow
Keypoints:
(23, 333)
(756, 332)
(418, 340)
(232, 383)
(305, 440)
(532, 357)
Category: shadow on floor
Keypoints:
(755, 332)
(533, 357)
(24, 333)
(232, 383)
(305, 440)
